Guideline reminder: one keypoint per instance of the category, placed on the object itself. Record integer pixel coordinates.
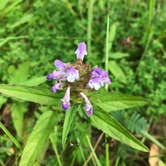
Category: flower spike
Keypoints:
(78, 77)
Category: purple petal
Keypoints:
(65, 106)
(88, 107)
(57, 75)
(72, 74)
(56, 87)
(96, 72)
(81, 51)
(98, 78)
(60, 65)
(50, 76)
(66, 99)
(89, 112)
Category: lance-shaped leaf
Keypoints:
(37, 95)
(109, 125)
(69, 116)
(111, 101)
(38, 139)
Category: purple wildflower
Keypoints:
(98, 79)
(88, 107)
(57, 86)
(81, 51)
(66, 74)
(66, 100)
(72, 74)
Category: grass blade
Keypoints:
(38, 139)
(93, 152)
(89, 30)
(12, 138)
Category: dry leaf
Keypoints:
(153, 155)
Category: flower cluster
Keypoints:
(77, 77)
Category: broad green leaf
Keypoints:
(34, 81)
(18, 109)
(69, 116)
(38, 139)
(117, 71)
(118, 55)
(111, 101)
(109, 125)
(36, 95)
(19, 75)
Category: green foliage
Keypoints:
(136, 123)
(11, 137)
(117, 72)
(38, 140)
(113, 128)
(37, 95)
(18, 110)
(69, 117)
(116, 101)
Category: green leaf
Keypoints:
(117, 71)
(36, 95)
(18, 110)
(34, 81)
(109, 125)
(112, 34)
(152, 138)
(118, 55)
(3, 4)
(19, 75)
(69, 116)
(112, 101)
(11, 137)
(38, 139)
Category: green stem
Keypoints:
(106, 68)
(12, 138)
(93, 152)
(107, 162)
(107, 46)
(89, 31)
(55, 150)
